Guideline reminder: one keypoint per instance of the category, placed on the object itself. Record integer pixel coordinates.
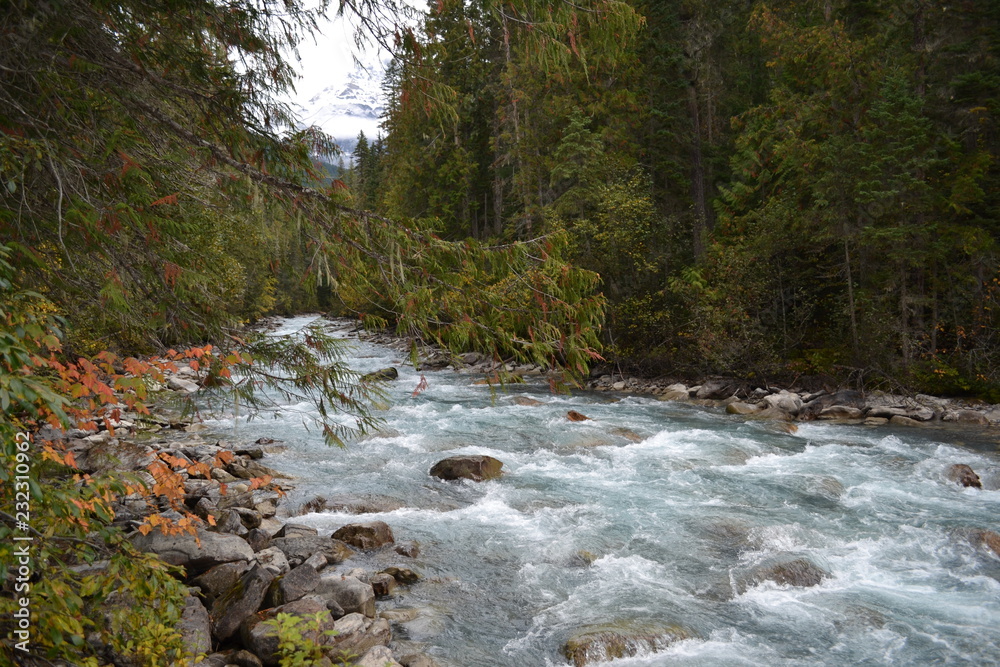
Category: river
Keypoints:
(588, 526)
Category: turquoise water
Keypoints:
(674, 524)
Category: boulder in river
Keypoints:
(739, 408)
(966, 417)
(987, 539)
(350, 593)
(476, 468)
(365, 536)
(575, 416)
(796, 572)
(383, 375)
(964, 475)
(603, 643)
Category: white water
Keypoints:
(676, 522)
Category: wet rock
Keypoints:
(377, 656)
(383, 584)
(400, 614)
(240, 602)
(369, 503)
(383, 375)
(986, 539)
(603, 643)
(876, 421)
(409, 549)
(797, 572)
(416, 659)
(627, 433)
(900, 420)
(403, 575)
(772, 413)
(840, 412)
(356, 634)
(298, 549)
(219, 579)
(365, 536)
(296, 530)
(350, 594)
(972, 417)
(738, 408)
(575, 416)
(195, 629)
(673, 395)
(964, 475)
(524, 400)
(185, 550)
(476, 468)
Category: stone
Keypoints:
(921, 414)
(575, 416)
(772, 413)
(293, 586)
(317, 561)
(604, 643)
(841, 412)
(876, 421)
(262, 638)
(785, 401)
(298, 549)
(739, 408)
(254, 453)
(186, 551)
(400, 614)
(627, 433)
(240, 602)
(987, 539)
(296, 530)
(796, 572)
(716, 389)
(243, 658)
(351, 594)
(817, 403)
(195, 629)
(228, 521)
(383, 375)
(258, 539)
(476, 468)
(274, 560)
(180, 384)
(417, 660)
(369, 503)
(365, 536)
(618, 386)
(409, 549)
(673, 395)
(377, 656)
(219, 579)
(356, 634)
(383, 584)
(900, 420)
(529, 402)
(972, 417)
(403, 575)
(964, 475)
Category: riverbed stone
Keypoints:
(383, 584)
(295, 585)
(410, 549)
(840, 412)
(716, 389)
(377, 656)
(971, 417)
(476, 468)
(298, 549)
(258, 539)
(602, 643)
(357, 633)
(987, 539)
(273, 559)
(740, 408)
(296, 530)
(383, 375)
(186, 551)
(240, 602)
(403, 575)
(365, 536)
(796, 572)
(526, 401)
(964, 475)
(901, 420)
(350, 593)
(575, 416)
(785, 401)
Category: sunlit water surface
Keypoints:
(673, 524)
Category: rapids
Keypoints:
(659, 512)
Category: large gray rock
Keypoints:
(603, 643)
(717, 389)
(219, 580)
(966, 417)
(847, 398)
(785, 401)
(295, 530)
(366, 503)
(293, 586)
(476, 468)
(840, 412)
(195, 629)
(299, 549)
(350, 593)
(356, 634)
(794, 572)
(185, 550)
(240, 602)
(377, 656)
(383, 375)
(262, 638)
(274, 560)
(365, 536)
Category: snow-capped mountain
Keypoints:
(350, 103)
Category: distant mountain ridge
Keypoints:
(350, 104)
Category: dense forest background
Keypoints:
(765, 188)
